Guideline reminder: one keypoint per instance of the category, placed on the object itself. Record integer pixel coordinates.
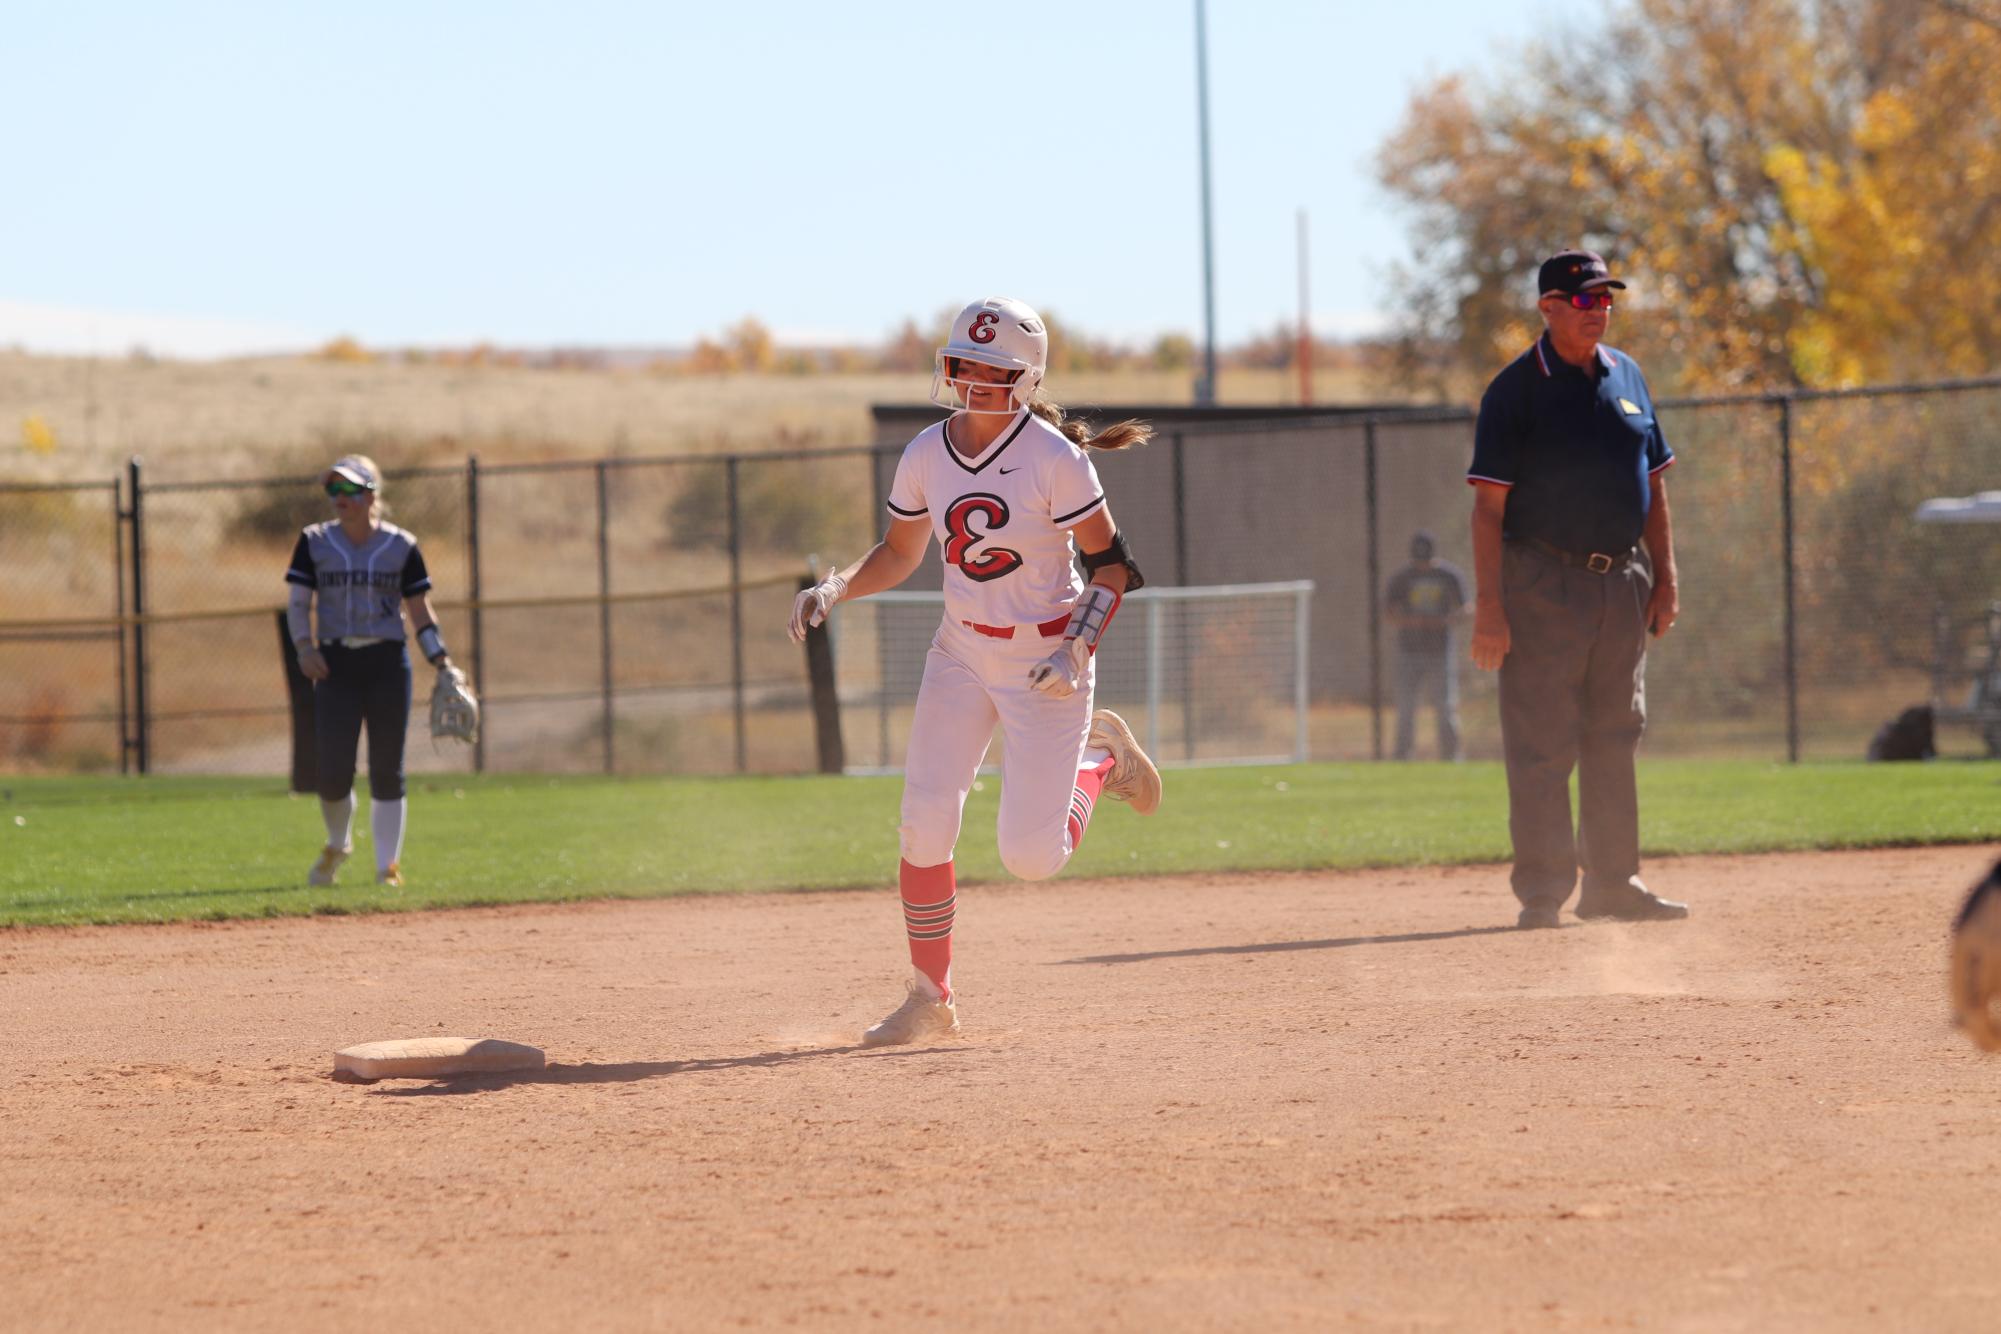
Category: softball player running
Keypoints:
(365, 572)
(1004, 484)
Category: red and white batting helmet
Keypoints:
(998, 331)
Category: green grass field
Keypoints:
(76, 850)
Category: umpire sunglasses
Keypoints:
(340, 486)
(1600, 300)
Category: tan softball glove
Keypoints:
(1976, 964)
(454, 711)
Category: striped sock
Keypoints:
(1084, 797)
(930, 896)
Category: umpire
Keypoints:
(1574, 567)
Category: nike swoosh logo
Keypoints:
(1006, 471)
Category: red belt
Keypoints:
(1047, 629)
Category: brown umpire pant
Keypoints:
(1573, 695)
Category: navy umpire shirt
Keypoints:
(1576, 450)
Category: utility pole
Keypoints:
(1305, 324)
(1205, 388)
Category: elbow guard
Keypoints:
(1118, 553)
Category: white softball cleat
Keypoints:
(322, 874)
(1133, 779)
(919, 1016)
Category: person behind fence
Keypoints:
(1006, 485)
(361, 573)
(1424, 601)
(1573, 560)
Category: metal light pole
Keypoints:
(1205, 388)
(1305, 323)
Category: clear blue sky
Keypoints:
(215, 177)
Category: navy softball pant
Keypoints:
(371, 685)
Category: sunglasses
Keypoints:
(340, 486)
(1586, 300)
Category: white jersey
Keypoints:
(1002, 519)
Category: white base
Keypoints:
(433, 1058)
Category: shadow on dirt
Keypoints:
(1281, 946)
(626, 1072)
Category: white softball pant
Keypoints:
(971, 681)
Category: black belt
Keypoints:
(1597, 562)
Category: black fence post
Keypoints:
(1792, 578)
(1375, 589)
(881, 503)
(604, 607)
(140, 723)
(1180, 478)
(473, 595)
(118, 582)
(736, 614)
(831, 754)
(1179, 458)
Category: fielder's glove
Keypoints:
(1976, 964)
(813, 604)
(454, 711)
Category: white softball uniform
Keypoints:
(1002, 519)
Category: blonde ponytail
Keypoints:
(1122, 435)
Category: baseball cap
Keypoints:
(1569, 271)
(355, 469)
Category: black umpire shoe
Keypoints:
(1539, 916)
(1631, 902)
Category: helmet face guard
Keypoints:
(952, 387)
(998, 332)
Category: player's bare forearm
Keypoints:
(423, 617)
(420, 611)
(890, 561)
(1664, 603)
(1490, 640)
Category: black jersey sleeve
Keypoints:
(302, 570)
(415, 577)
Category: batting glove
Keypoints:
(1061, 674)
(812, 605)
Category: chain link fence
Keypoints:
(627, 615)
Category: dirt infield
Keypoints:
(1277, 1102)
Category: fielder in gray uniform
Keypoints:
(1424, 601)
(1573, 558)
(364, 573)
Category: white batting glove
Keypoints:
(1061, 673)
(813, 604)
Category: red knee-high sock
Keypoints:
(930, 896)
(1084, 798)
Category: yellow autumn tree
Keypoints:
(1778, 178)
(1904, 231)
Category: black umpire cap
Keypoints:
(1569, 271)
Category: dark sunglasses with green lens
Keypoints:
(340, 486)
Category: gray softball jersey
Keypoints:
(361, 588)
